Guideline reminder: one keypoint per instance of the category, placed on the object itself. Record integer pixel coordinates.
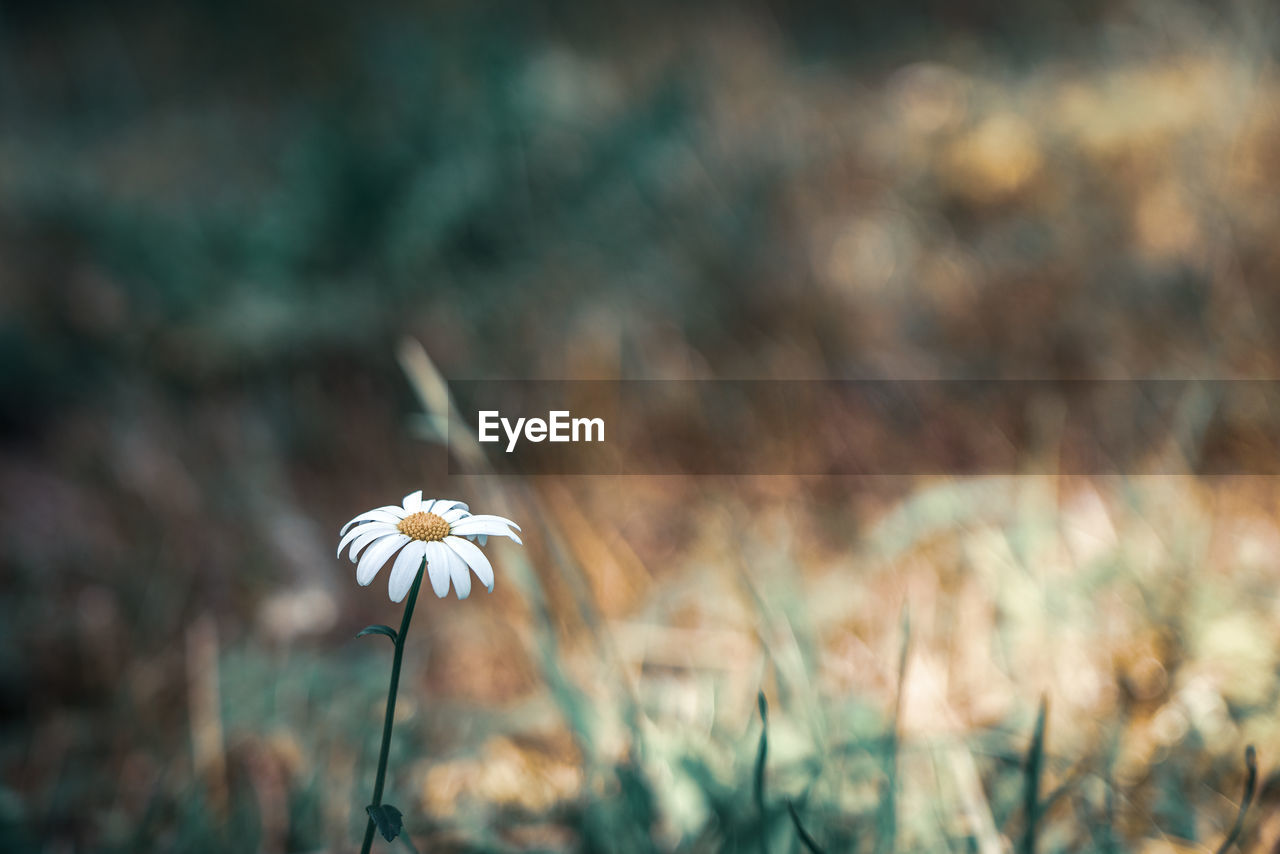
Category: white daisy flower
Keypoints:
(430, 528)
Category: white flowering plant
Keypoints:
(432, 537)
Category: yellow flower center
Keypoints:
(424, 526)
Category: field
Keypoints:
(243, 244)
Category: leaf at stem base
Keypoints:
(387, 819)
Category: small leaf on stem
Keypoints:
(379, 630)
(387, 818)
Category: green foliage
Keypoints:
(1034, 766)
(1250, 789)
(762, 753)
(806, 839)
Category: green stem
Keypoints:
(391, 705)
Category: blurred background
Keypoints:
(240, 243)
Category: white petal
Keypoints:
(484, 540)
(365, 528)
(390, 513)
(405, 569)
(474, 558)
(476, 525)
(368, 538)
(440, 505)
(454, 515)
(488, 518)
(438, 568)
(412, 504)
(459, 573)
(376, 556)
(479, 525)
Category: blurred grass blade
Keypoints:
(1109, 807)
(1250, 786)
(762, 753)
(974, 803)
(1031, 781)
(810, 844)
(427, 382)
(1109, 844)
(887, 814)
(440, 416)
